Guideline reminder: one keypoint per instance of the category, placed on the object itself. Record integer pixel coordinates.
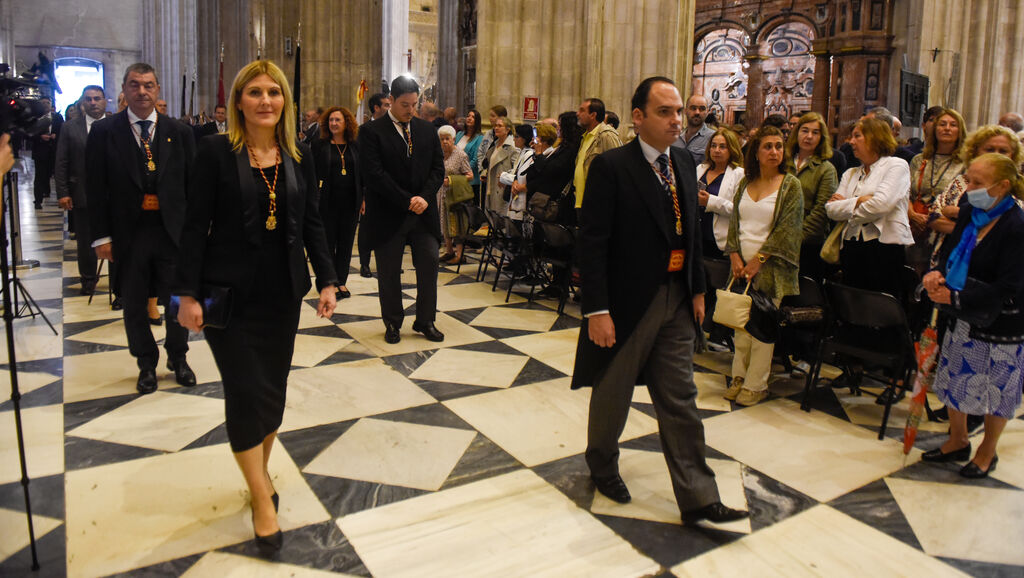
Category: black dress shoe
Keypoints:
(936, 455)
(364, 271)
(391, 334)
(156, 321)
(971, 470)
(342, 294)
(147, 381)
(183, 374)
(116, 304)
(428, 330)
(716, 513)
(88, 288)
(613, 488)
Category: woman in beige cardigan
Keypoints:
(500, 158)
(764, 249)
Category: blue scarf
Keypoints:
(960, 258)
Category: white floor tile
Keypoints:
(471, 368)
(159, 421)
(43, 429)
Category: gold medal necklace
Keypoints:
(341, 153)
(271, 187)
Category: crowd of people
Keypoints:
(217, 221)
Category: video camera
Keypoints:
(22, 113)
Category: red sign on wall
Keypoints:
(531, 108)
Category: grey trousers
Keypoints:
(660, 349)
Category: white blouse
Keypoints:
(756, 219)
(884, 216)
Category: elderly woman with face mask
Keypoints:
(979, 282)
(456, 162)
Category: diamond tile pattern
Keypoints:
(456, 458)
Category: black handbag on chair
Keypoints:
(764, 318)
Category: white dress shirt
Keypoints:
(884, 216)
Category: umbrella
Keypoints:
(927, 350)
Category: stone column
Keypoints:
(208, 54)
(448, 54)
(169, 45)
(395, 38)
(563, 51)
(822, 82)
(755, 88)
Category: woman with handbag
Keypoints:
(764, 250)
(503, 156)
(252, 218)
(870, 207)
(456, 163)
(515, 178)
(980, 283)
(811, 146)
(336, 158)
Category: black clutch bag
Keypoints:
(215, 301)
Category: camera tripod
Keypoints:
(22, 303)
(11, 286)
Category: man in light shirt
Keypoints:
(598, 137)
(698, 133)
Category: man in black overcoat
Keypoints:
(403, 169)
(138, 163)
(643, 300)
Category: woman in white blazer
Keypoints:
(717, 178)
(872, 201)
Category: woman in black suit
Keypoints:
(336, 156)
(252, 210)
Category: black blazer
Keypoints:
(322, 161)
(392, 178)
(995, 274)
(114, 180)
(43, 150)
(223, 235)
(624, 245)
(69, 172)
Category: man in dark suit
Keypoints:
(218, 125)
(403, 168)
(69, 174)
(642, 271)
(44, 153)
(138, 165)
(380, 104)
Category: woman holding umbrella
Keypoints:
(980, 282)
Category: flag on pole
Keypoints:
(361, 100)
(192, 100)
(220, 80)
(297, 87)
(184, 81)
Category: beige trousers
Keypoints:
(753, 361)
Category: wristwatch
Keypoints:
(761, 258)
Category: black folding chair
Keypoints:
(869, 327)
(803, 323)
(515, 251)
(494, 238)
(557, 251)
(475, 219)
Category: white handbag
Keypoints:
(732, 309)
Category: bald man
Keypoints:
(697, 134)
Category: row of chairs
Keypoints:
(855, 327)
(545, 258)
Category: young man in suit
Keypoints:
(643, 300)
(44, 153)
(70, 176)
(403, 168)
(139, 163)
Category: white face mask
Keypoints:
(980, 199)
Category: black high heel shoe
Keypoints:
(268, 546)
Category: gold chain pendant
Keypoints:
(343, 171)
(151, 166)
(271, 223)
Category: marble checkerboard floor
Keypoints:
(460, 460)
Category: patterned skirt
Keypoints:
(978, 377)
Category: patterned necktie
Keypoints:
(144, 130)
(662, 162)
(408, 136)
